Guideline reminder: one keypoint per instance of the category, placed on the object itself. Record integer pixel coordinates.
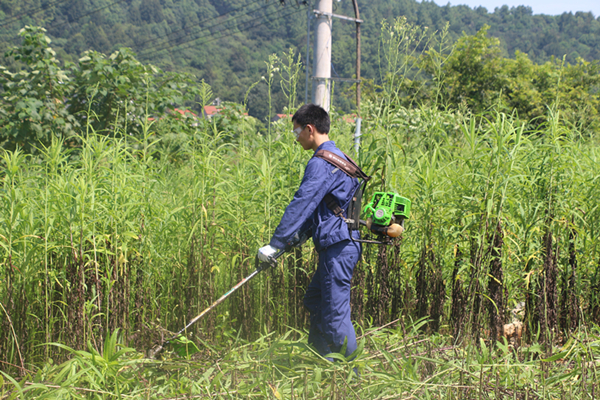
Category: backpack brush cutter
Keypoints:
(386, 214)
(386, 211)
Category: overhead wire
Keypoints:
(177, 46)
(163, 44)
(232, 33)
(74, 19)
(197, 25)
(171, 33)
(166, 43)
(241, 30)
(86, 14)
(30, 13)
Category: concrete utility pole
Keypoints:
(357, 15)
(322, 55)
(308, 11)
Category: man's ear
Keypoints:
(311, 129)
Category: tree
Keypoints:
(114, 94)
(473, 71)
(33, 106)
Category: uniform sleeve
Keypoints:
(298, 215)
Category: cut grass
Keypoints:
(389, 364)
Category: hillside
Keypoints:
(227, 42)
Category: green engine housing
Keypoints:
(386, 208)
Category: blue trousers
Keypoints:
(327, 299)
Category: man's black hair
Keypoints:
(314, 115)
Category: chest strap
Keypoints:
(333, 205)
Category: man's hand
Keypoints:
(265, 253)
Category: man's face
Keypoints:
(305, 135)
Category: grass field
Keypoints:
(110, 246)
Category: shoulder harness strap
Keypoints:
(350, 168)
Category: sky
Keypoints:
(550, 7)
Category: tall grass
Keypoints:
(114, 237)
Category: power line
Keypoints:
(204, 20)
(223, 36)
(241, 30)
(163, 47)
(30, 12)
(86, 14)
(74, 19)
(202, 28)
(165, 43)
(218, 24)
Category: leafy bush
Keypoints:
(33, 108)
(109, 95)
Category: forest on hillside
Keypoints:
(117, 94)
(227, 42)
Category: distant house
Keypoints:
(209, 111)
(186, 113)
(284, 117)
(349, 118)
(182, 114)
(215, 108)
(212, 109)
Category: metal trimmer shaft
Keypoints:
(259, 267)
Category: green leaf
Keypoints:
(184, 347)
(556, 356)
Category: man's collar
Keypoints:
(326, 144)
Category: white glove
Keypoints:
(265, 253)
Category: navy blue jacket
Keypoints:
(308, 211)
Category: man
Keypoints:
(328, 295)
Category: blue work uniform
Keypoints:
(328, 295)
